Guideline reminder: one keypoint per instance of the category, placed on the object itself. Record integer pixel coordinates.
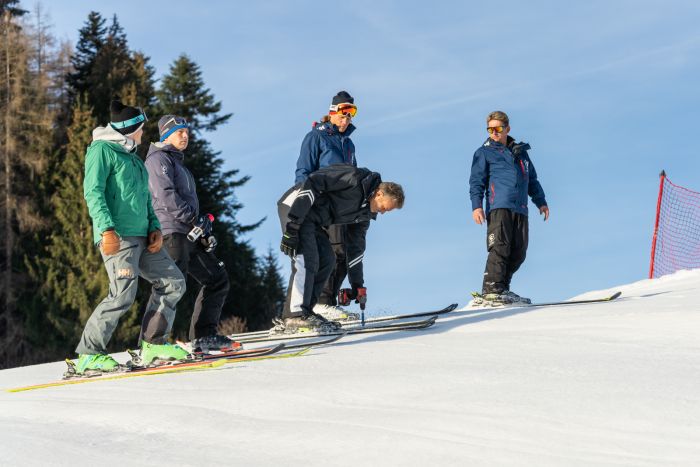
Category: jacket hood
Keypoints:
(157, 147)
(110, 135)
(515, 148)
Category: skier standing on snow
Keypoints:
(326, 144)
(176, 204)
(128, 234)
(502, 169)
(337, 194)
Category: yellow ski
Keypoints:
(205, 365)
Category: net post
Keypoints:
(662, 178)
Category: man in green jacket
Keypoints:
(128, 234)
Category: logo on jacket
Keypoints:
(164, 168)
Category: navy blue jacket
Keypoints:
(172, 189)
(324, 146)
(506, 175)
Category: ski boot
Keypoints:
(517, 299)
(89, 365)
(159, 354)
(310, 322)
(477, 300)
(335, 313)
(490, 300)
(216, 342)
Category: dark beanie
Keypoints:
(126, 119)
(343, 97)
(169, 124)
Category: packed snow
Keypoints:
(584, 385)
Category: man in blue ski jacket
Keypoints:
(502, 170)
(329, 143)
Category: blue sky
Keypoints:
(605, 92)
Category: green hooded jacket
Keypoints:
(116, 186)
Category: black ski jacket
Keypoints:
(337, 194)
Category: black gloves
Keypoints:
(209, 243)
(290, 240)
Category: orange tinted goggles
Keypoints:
(348, 110)
(495, 129)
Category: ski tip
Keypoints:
(614, 296)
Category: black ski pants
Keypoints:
(336, 235)
(311, 267)
(209, 272)
(506, 242)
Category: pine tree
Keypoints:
(105, 67)
(273, 292)
(25, 140)
(91, 41)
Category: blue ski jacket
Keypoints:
(506, 175)
(324, 145)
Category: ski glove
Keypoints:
(357, 293)
(155, 241)
(290, 240)
(110, 242)
(209, 243)
(360, 296)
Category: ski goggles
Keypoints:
(347, 110)
(495, 129)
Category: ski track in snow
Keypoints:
(612, 384)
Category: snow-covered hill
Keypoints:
(611, 384)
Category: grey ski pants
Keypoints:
(124, 268)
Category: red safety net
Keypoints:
(676, 242)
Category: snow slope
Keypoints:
(612, 384)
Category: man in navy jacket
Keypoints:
(502, 169)
(329, 143)
(176, 205)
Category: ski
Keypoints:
(609, 298)
(312, 341)
(229, 355)
(403, 326)
(185, 367)
(378, 319)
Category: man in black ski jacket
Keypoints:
(176, 205)
(337, 194)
